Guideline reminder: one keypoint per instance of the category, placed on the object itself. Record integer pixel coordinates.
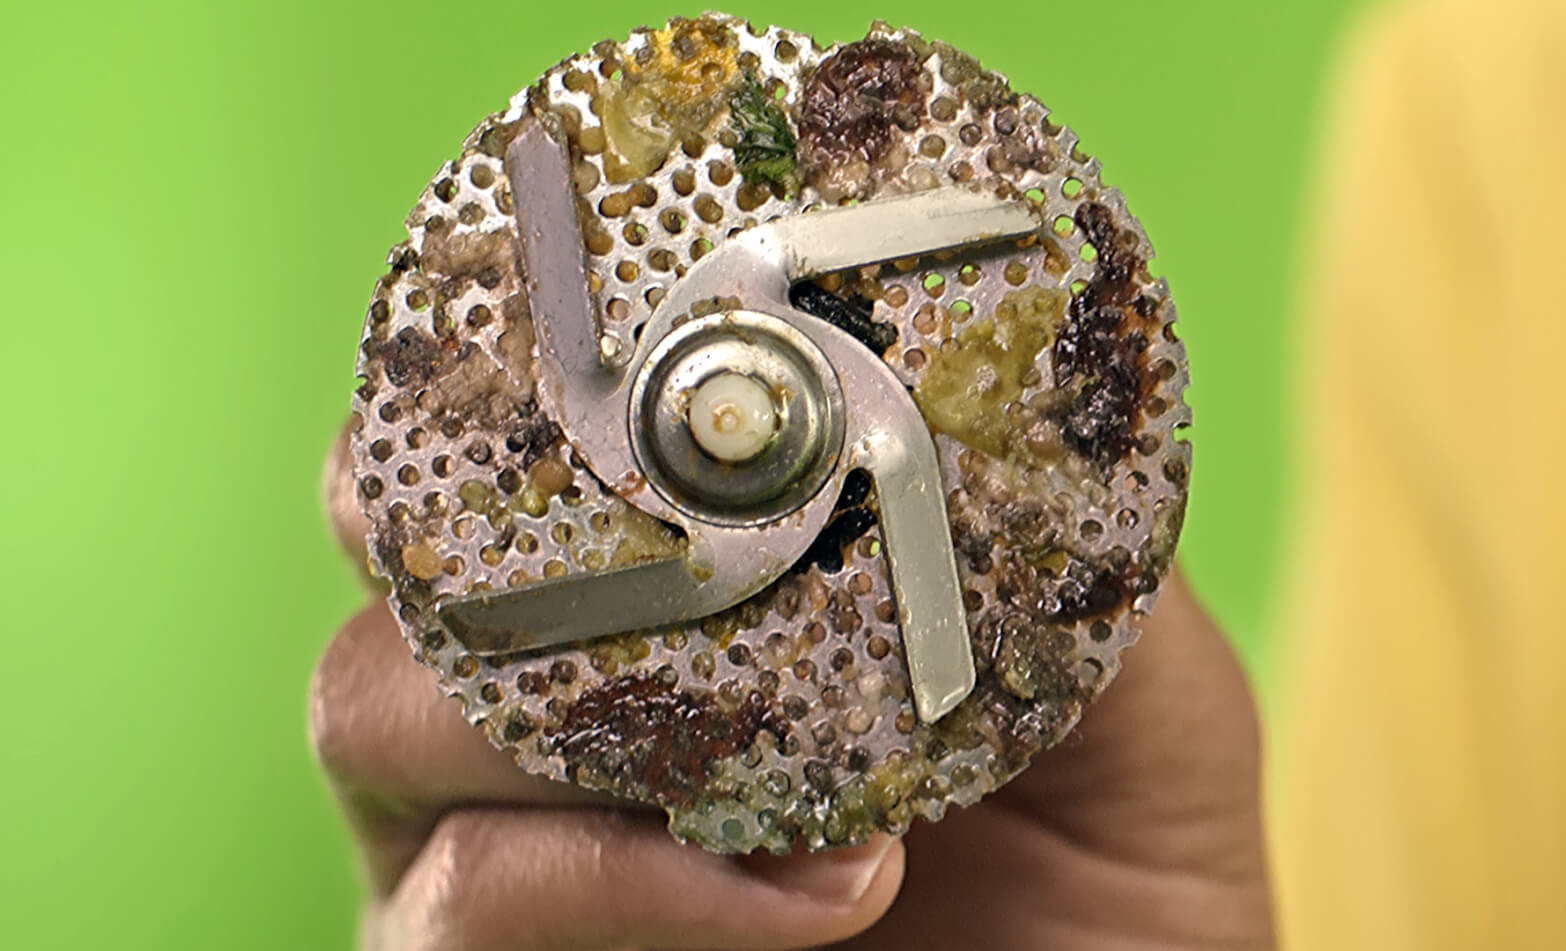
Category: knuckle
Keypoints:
(349, 524)
(334, 718)
(443, 891)
(484, 870)
(337, 484)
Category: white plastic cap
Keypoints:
(732, 417)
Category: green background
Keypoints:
(198, 198)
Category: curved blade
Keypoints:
(588, 374)
(559, 610)
(888, 438)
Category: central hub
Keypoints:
(732, 417)
(737, 418)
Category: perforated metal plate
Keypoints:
(1047, 368)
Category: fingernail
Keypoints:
(840, 876)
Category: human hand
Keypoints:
(1141, 830)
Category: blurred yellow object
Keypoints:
(1420, 787)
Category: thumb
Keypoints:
(536, 879)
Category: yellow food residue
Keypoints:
(422, 562)
(677, 87)
(964, 392)
(642, 539)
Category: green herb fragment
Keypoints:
(765, 152)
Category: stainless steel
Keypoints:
(574, 351)
(915, 528)
(790, 471)
(612, 420)
(816, 736)
(530, 617)
(759, 266)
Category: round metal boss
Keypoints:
(805, 398)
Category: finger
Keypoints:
(998, 879)
(1171, 752)
(339, 496)
(584, 879)
(380, 723)
(1141, 829)
(399, 753)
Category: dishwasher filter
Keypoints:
(785, 435)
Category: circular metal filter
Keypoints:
(1044, 364)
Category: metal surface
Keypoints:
(799, 718)
(542, 615)
(801, 458)
(708, 500)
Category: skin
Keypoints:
(1141, 831)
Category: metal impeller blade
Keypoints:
(886, 434)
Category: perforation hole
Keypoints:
(708, 209)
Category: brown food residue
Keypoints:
(459, 254)
(852, 109)
(411, 357)
(637, 733)
(1100, 356)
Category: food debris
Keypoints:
(854, 110)
(965, 391)
(678, 86)
(766, 148)
(1046, 367)
(422, 562)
